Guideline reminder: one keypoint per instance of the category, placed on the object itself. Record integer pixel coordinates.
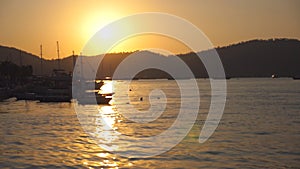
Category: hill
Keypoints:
(255, 58)
(20, 57)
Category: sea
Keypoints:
(260, 128)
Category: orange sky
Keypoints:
(26, 24)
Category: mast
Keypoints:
(81, 69)
(58, 60)
(102, 70)
(41, 49)
(110, 72)
(21, 64)
(74, 61)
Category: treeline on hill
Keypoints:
(12, 74)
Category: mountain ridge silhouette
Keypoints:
(254, 58)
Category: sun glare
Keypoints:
(94, 21)
(153, 42)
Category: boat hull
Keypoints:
(93, 100)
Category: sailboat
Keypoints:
(60, 85)
(86, 92)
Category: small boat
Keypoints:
(274, 76)
(89, 93)
(25, 96)
(96, 99)
(53, 98)
(296, 77)
(221, 78)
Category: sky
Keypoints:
(25, 24)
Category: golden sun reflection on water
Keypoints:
(105, 127)
(107, 87)
(48, 135)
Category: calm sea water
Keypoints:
(260, 128)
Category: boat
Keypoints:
(59, 89)
(89, 94)
(25, 96)
(274, 76)
(60, 85)
(296, 77)
(221, 78)
(87, 91)
(53, 98)
(55, 95)
(97, 99)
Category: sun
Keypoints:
(95, 20)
